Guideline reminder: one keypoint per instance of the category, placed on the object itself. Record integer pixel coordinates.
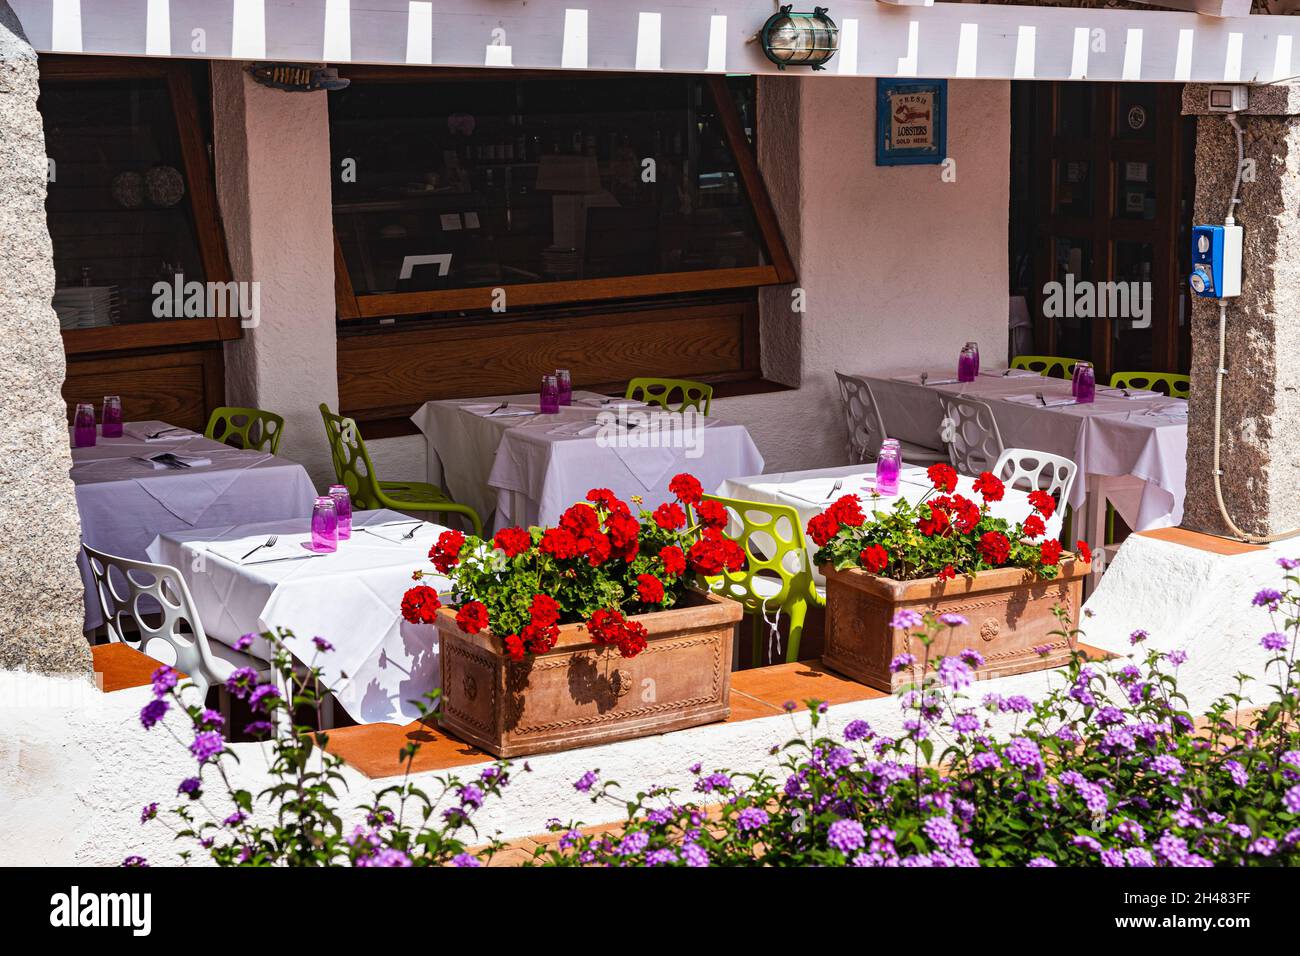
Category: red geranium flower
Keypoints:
(580, 520)
(687, 488)
(947, 573)
(823, 527)
(624, 531)
(420, 604)
(670, 516)
(994, 547)
(1034, 527)
(1050, 551)
(649, 589)
(990, 486)
(445, 555)
(1085, 552)
(472, 617)
(943, 477)
(602, 497)
(559, 543)
(539, 638)
(544, 610)
(937, 523)
(597, 549)
(513, 541)
(711, 514)
(874, 558)
(966, 514)
(1044, 503)
(514, 647)
(714, 552)
(674, 560)
(848, 511)
(611, 628)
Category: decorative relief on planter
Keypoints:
(1009, 610)
(579, 694)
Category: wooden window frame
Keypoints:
(779, 270)
(200, 193)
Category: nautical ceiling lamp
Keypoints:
(800, 39)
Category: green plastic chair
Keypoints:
(1176, 386)
(1051, 366)
(253, 427)
(778, 576)
(673, 394)
(354, 469)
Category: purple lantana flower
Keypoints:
(954, 673)
(1267, 597)
(751, 818)
(857, 730)
(464, 859)
(901, 663)
(1273, 641)
(846, 836)
(190, 787)
(153, 712)
(148, 812)
(207, 744)
(953, 620)
(584, 783)
(1138, 636)
(243, 642)
(322, 645)
(905, 618)
(163, 680)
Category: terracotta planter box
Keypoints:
(1009, 610)
(579, 694)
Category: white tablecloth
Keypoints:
(125, 504)
(528, 470)
(812, 492)
(1113, 436)
(352, 598)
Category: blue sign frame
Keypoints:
(887, 154)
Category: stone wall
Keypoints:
(1261, 393)
(40, 532)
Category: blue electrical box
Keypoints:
(1216, 261)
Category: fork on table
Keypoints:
(268, 543)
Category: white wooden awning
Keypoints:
(946, 40)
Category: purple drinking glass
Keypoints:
(965, 366)
(550, 395)
(888, 465)
(83, 426)
(324, 525)
(112, 417)
(974, 350)
(565, 382)
(342, 510)
(1085, 390)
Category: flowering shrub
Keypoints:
(599, 565)
(1108, 769)
(405, 825)
(942, 535)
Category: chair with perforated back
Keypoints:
(1026, 470)
(1172, 384)
(777, 578)
(974, 442)
(1051, 366)
(672, 394)
(353, 468)
(867, 427)
(122, 586)
(250, 427)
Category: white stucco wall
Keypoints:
(899, 268)
(273, 186)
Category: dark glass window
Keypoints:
(460, 184)
(117, 208)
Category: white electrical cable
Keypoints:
(1221, 371)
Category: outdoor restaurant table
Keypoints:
(812, 492)
(1113, 437)
(352, 598)
(125, 504)
(529, 468)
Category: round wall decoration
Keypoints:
(128, 190)
(164, 185)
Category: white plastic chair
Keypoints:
(975, 444)
(1026, 470)
(206, 662)
(867, 426)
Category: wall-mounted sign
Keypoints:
(911, 121)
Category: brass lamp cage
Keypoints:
(800, 39)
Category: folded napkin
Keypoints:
(611, 402)
(496, 411)
(155, 431)
(1049, 401)
(288, 547)
(170, 461)
(929, 380)
(1133, 393)
(576, 429)
(822, 491)
(1011, 373)
(396, 531)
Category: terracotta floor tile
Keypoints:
(746, 707)
(373, 749)
(1202, 542)
(119, 667)
(799, 682)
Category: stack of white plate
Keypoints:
(84, 307)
